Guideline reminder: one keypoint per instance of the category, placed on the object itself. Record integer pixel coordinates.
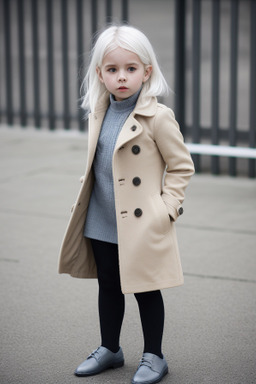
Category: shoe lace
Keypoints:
(146, 362)
(94, 353)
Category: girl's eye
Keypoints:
(131, 69)
(111, 70)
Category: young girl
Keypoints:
(122, 225)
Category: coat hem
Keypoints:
(78, 275)
(152, 287)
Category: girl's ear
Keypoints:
(147, 74)
(98, 71)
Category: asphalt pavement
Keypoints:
(49, 322)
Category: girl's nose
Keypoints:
(121, 77)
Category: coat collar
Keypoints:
(146, 105)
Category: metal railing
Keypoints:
(13, 12)
(231, 135)
(37, 79)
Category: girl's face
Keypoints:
(123, 73)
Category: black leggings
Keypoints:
(112, 303)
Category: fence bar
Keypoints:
(94, 17)
(180, 14)
(196, 77)
(252, 132)
(8, 65)
(80, 48)
(20, 14)
(109, 14)
(125, 11)
(51, 108)
(36, 77)
(233, 83)
(215, 81)
(222, 150)
(65, 69)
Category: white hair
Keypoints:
(133, 40)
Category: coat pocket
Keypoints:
(160, 214)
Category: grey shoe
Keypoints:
(100, 360)
(151, 370)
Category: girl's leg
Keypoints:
(151, 309)
(111, 298)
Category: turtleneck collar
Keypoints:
(124, 105)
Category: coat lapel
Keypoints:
(94, 127)
(146, 106)
(127, 133)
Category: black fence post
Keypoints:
(22, 76)
(36, 70)
(50, 64)
(80, 48)
(8, 63)
(233, 83)
(125, 11)
(65, 66)
(196, 61)
(252, 132)
(94, 18)
(108, 11)
(179, 80)
(215, 81)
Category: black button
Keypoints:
(136, 181)
(181, 210)
(135, 149)
(133, 128)
(138, 212)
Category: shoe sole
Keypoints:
(153, 382)
(112, 366)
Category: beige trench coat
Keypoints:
(147, 205)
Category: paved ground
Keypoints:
(48, 322)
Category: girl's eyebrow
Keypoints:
(109, 65)
(133, 64)
(114, 65)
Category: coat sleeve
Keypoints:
(179, 165)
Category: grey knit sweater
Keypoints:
(101, 216)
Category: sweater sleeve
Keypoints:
(179, 165)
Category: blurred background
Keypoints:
(206, 49)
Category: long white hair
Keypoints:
(133, 40)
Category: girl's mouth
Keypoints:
(122, 88)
